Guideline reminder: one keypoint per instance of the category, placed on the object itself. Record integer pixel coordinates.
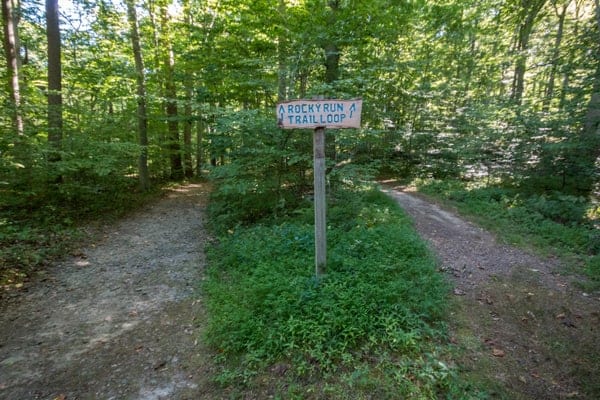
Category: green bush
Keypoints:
(264, 171)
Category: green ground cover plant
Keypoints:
(372, 327)
(554, 223)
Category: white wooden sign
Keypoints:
(319, 114)
(298, 114)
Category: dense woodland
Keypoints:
(491, 105)
(102, 97)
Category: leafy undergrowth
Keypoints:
(554, 223)
(47, 226)
(372, 327)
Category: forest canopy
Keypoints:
(102, 96)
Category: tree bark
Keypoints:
(549, 94)
(282, 55)
(528, 13)
(189, 94)
(142, 117)
(589, 152)
(174, 146)
(55, 120)
(10, 22)
(568, 65)
(592, 117)
(332, 72)
(187, 128)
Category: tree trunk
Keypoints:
(189, 95)
(589, 152)
(568, 65)
(592, 117)
(282, 55)
(55, 120)
(173, 147)
(200, 127)
(549, 94)
(332, 73)
(187, 128)
(10, 21)
(142, 116)
(528, 14)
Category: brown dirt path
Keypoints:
(524, 328)
(121, 319)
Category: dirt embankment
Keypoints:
(118, 320)
(523, 326)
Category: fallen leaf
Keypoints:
(159, 365)
(60, 397)
(498, 353)
(561, 316)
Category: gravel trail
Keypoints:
(118, 320)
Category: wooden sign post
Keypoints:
(319, 114)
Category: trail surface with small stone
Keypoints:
(120, 319)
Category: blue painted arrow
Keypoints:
(352, 109)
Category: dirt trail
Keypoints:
(469, 252)
(119, 319)
(523, 327)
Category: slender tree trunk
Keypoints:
(10, 22)
(174, 146)
(142, 116)
(566, 82)
(332, 73)
(470, 65)
(200, 127)
(55, 120)
(282, 55)
(189, 95)
(592, 117)
(529, 12)
(549, 94)
(187, 128)
(589, 152)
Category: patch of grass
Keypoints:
(553, 223)
(372, 327)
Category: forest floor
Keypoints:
(122, 317)
(521, 324)
(119, 318)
